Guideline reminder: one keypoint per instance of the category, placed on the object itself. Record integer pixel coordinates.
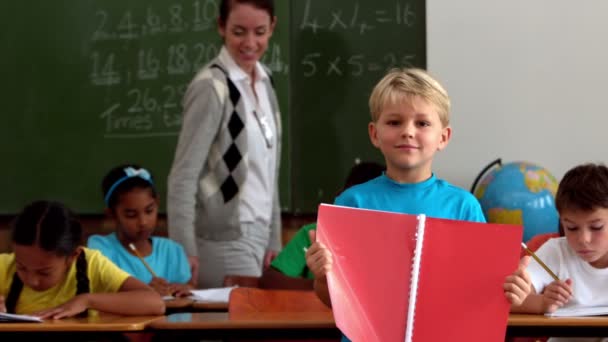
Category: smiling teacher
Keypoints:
(223, 203)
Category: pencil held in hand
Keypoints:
(542, 264)
(132, 246)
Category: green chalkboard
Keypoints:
(90, 84)
(339, 50)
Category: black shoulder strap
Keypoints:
(13, 294)
(82, 279)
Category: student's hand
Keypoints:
(268, 257)
(556, 295)
(194, 263)
(70, 308)
(518, 285)
(180, 290)
(318, 257)
(2, 304)
(161, 286)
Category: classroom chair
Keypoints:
(241, 281)
(245, 301)
(536, 241)
(534, 244)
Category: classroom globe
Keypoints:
(519, 193)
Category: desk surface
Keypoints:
(521, 320)
(258, 320)
(221, 325)
(101, 323)
(182, 304)
(210, 306)
(178, 303)
(540, 325)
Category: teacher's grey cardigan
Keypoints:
(209, 169)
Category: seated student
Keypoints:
(132, 202)
(580, 258)
(410, 123)
(50, 275)
(288, 270)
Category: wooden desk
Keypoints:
(178, 305)
(102, 322)
(540, 325)
(189, 305)
(75, 329)
(208, 306)
(291, 325)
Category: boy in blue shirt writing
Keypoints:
(410, 123)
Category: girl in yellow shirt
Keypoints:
(50, 275)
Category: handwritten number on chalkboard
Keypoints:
(136, 106)
(103, 71)
(126, 26)
(149, 65)
(170, 97)
(149, 102)
(204, 16)
(152, 19)
(390, 60)
(355, 62)
(177, 22)
(100, 32)
(308, 62)
(200, 56)
(178, 60)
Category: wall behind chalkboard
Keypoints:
(89, 84)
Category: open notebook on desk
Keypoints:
(12, 318)
(580, 311)
(214, 295)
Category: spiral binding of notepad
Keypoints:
(411, 309)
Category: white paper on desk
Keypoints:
(578, 311)
(7, 317)
(216, 295)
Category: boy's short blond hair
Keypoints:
(402, 84)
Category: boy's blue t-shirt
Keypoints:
(433, 197)
(168, 258)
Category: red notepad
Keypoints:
(399, 277)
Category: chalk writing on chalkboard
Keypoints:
(147, 80)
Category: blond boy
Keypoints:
(410, 123)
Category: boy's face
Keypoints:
(408, 134)
(587, 234)
(136, 215)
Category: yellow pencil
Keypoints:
(540, 262)
(132, 246)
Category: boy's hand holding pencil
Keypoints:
(556, 294)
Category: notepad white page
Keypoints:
(215, 295)
(409, 327)
(579, 311)
(7, 317)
